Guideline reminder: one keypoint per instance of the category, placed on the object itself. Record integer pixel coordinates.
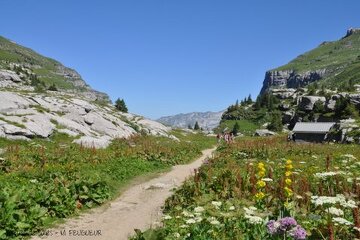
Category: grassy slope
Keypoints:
(12, 52)
(330, 55)
(43, 181)
(246, 127)
(341, 59)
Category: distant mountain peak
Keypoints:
(207, 120)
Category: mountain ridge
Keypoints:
(207, 120)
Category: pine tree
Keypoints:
(120, 105)
(276, 123)
(196, 126)
(236, 128)
(249, 100)
(189, 126)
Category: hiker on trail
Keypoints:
(226, 137)
(231, 138)
(218, 137)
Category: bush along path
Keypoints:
(139, 207)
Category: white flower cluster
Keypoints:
(349, 156)
(335, 211)
(342, 221)
(325, 175)
(250, 215)
(216, 204)
(213, 221)
(340, 199)
(199, 209)
(267, 179)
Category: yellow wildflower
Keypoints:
(288, 162)
(288, 173)
(261, 184)
(259, 195)
(288, 181)
(261, 174)
(261, 165)
(288, 192)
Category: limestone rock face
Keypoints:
(28, 115)
(290, 78)
(307, 102)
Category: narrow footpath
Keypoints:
(139, 207)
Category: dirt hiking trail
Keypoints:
(139, 207)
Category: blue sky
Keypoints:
(170, 56)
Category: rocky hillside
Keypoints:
(206, 120)
(39, 97)
(333, 64)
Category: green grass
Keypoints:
(247, 127)
(44, 181)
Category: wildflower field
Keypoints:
(268, 188)
(43, 181)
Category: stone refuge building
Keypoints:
(312, 131)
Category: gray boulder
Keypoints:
(264, 133)
(6, 75)
(330, 105)
(306, 103)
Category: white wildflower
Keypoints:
(198, 219)
(348, 204)
(342, 221)
(231, 208)
(190, 221)
(213, 221)
(335, 211)
(199, 209)
(267, 179)
(33, 181)
(216, 204)
(167, 217)
(254, 219)
(349, 156)
(176, 235)
(187, 214)
(184, 226)
(325, 175)
(302, 162)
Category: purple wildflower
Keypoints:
(272, 227)
(287, 223)
(298, 233)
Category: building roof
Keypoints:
(313, 127)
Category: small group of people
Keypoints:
(227, 136)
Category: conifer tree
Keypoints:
(196, 126)
(120, 105)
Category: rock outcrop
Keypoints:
(306, 103)
(29, 115)
(290, 79)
